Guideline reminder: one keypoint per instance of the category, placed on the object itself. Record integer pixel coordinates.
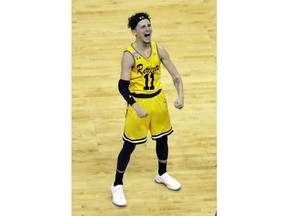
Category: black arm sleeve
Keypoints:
(124, 90)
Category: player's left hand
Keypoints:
(179, 103)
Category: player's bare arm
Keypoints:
(177, 80)
(127, 63)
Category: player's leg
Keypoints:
(162, 176)
(160, 129)
(122, 161)
(135, 132)
(118, 197)
(162, 154)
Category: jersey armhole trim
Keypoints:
(132, 57)
(158, 53)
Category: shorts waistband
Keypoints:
(146, 95)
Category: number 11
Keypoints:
(146, 87)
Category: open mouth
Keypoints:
(146, 35)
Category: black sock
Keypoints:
(162, 168)
(118, 178)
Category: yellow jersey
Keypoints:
(146, 73)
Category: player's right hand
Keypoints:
(141, 113)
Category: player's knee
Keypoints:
(162, 148)
(162, 140)
(128, 147)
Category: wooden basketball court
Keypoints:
(187, 29)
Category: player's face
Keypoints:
(143, 31)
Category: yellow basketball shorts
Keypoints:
(157, 122)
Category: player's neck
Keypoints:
(141, 46)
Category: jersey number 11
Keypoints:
(147, 87)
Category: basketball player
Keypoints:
(140, 85)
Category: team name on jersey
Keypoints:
(147, 70)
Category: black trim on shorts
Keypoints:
(162, 134)
(138, 141)
(146, 95)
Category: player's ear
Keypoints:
(133, 31)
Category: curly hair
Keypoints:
(134, 19)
